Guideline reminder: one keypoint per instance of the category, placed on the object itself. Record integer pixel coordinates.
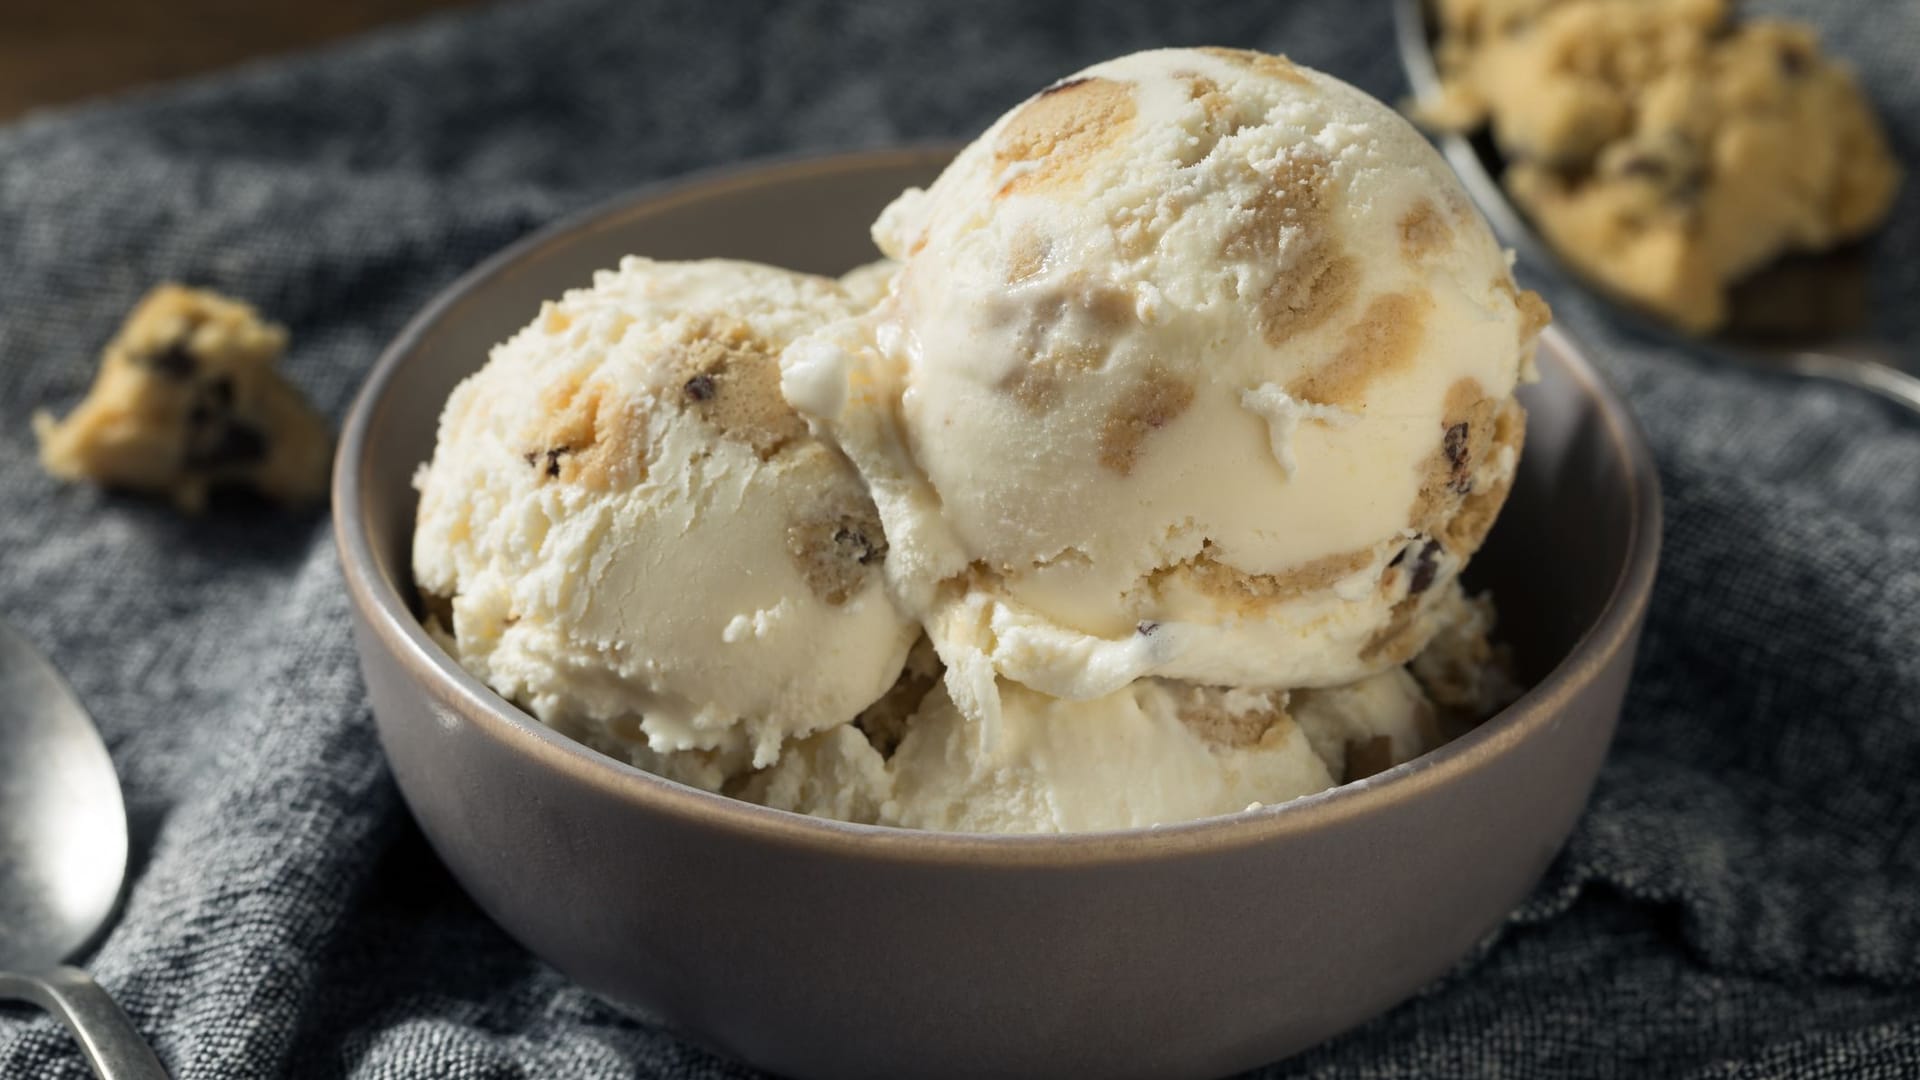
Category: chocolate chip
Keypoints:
(212, 405)
(1644, 165)
(1688, 188)
(700, 388)
(547, 461)
(1454, 445)
(1063, 84)
(175, 362)
(231, 445)
(1399, 557)
(1146, 629)
(1425, 566)
(1672, 166)
(1793, 62)
(855, 542)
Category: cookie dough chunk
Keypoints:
(187, 400)
(1663, 149)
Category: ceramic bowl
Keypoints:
(815, 948)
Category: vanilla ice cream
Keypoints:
(1199, 365)
(1161, 435)
(869, 284)
(632, 534)
(1152, 753)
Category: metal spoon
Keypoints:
(63, 854)
(1802, 315)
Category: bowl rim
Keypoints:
(386, 612)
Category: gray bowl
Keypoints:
(815, 948)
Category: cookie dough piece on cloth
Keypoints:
(187, 399)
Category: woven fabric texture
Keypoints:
(1742, 899)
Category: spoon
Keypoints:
(1801, 315)
(63, 854)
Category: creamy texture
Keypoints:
(1369, 726)
(633, 535)
(868, 284)
(1163, 433)
(1198, 365)
(1153, 753)
(1465, 674)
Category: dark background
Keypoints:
(54, 52)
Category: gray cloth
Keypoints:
(1743, 898)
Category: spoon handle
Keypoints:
(115, 1049)
(1869, 367)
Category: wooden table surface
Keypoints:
(58, 51)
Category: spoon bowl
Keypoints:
(63, 827)
(1805, 314)
(63, 856)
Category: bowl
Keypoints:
(817, 948)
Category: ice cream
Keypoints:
(1151, 753)
(1199, 365)
(631, 534)
(869, 284)
(1162, 435)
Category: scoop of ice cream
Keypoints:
(632, 534)
(1152, 753)
(1199, 365)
